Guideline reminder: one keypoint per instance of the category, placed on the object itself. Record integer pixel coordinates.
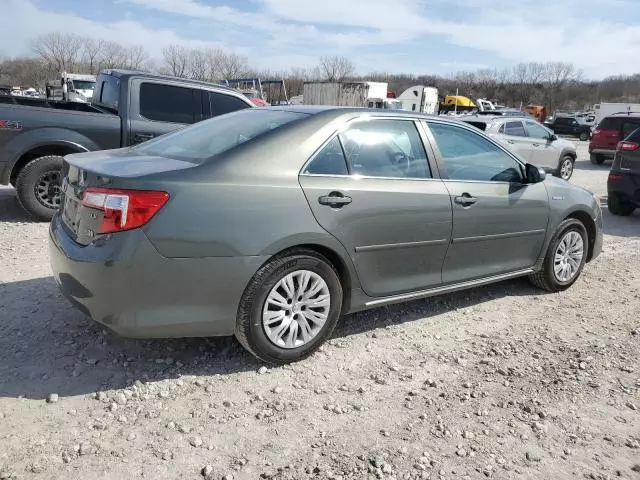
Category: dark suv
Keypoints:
(611, 130)
(623, 184)
(569, 126)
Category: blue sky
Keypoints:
(416, 36)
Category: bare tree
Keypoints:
(233, 65)
(336, 69)
(176, 60)
(136, 57)
(198, 64)
(60, 50)
(91, 53)
(112, 55)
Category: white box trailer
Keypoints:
(604, 109)
(343, 94)
(420, 99)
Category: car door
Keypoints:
(513, 135)
(371, 187)
(499, 221)
(162, 108)
(544, 153)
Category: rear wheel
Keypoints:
(596, 159)
(38, 186)
(290, 307)
(565, 169)
(618, 207)
(565, 258)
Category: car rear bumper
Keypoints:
(123, 283)
(625, 185)
(602, 151)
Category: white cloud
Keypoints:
(287, 33)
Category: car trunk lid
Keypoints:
(103, 170)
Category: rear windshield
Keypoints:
(610, 123)
(204, 140)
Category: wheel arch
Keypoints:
(57, 148)
(590, 225)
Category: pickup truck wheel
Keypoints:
(38, 186)
(565, 258)
(596, 159)
(584, 136)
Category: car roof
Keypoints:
(121, 73)
(624, 114)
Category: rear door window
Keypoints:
(220, 103)
(168, 103)
(514, 129)
(610, 123)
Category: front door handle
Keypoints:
(334, 200)
(536, 144)
(465, 200)
(510, 141)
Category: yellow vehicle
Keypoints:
(457, 102)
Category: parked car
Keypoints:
(127, 108)
(623, 184)
(530, 141)
(271, 223)
(569, 126)
(609, 132)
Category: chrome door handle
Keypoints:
(334, 200)
(536, 144)
(465, 200)
(510, 141)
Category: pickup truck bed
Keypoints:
(127, 108)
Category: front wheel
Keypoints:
(290, 307)
(565, 169)
(38, 186)
(584, 136)
(565, 258)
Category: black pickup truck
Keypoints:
(569, 126)
(127, 108)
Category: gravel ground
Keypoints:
(503, 382)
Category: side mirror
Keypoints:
(534, 173)
(553, 137)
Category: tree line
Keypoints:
(554, 84)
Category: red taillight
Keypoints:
(124, 209)
(627, 146)
(613, 176)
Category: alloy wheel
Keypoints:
(47, 189)
(566, 169)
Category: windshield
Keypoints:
(209, 138)
(83, 85)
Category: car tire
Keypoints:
(272, 342)
(38, 186)
(565, 167)
(596, 159)
(548, 278)
(584, 136)
(618, 207)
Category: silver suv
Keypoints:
(531, 141)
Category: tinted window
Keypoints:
(167, 103)
(221, 103)
(536, 130)
(634, 136)
(514, 129)
(385, 148)
(469, 156)
(610, 123)
(629, 125)
(329, 161)
(204, 140)
(109, 92)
